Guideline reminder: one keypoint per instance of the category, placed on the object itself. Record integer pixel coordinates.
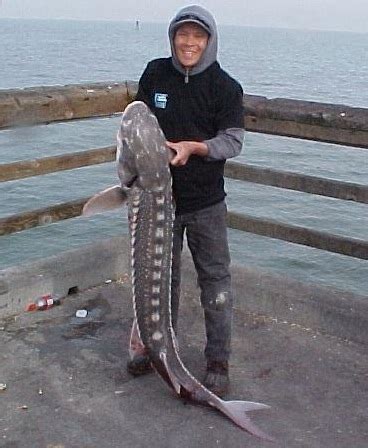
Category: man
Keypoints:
(200, 110)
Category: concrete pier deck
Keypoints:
(66, 384)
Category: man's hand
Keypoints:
(185, 149)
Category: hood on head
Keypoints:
(195, 14)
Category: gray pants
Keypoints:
(206, 233)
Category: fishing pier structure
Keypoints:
(269, 299)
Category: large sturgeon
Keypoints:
(143, 167)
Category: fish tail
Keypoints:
(236, 411)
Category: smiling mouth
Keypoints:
(189, 53)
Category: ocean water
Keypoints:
(309, 65)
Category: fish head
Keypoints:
(142, 154)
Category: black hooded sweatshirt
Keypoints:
(204, 104)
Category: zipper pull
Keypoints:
(186, 80)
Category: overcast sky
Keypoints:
(341, 15)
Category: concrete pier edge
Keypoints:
(330, 311)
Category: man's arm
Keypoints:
(225, 145)
(229, 119)
(228, 141)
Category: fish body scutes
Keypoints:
(143, 168)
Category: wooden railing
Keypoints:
(337, 124)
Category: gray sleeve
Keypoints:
(227, 143)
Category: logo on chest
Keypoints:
(161, 100)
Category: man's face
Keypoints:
(190, 41)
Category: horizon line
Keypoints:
(291, 28)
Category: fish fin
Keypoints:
(236, 411)
(109, 199)
(246, 406)
(174, 381)
(136, 346)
